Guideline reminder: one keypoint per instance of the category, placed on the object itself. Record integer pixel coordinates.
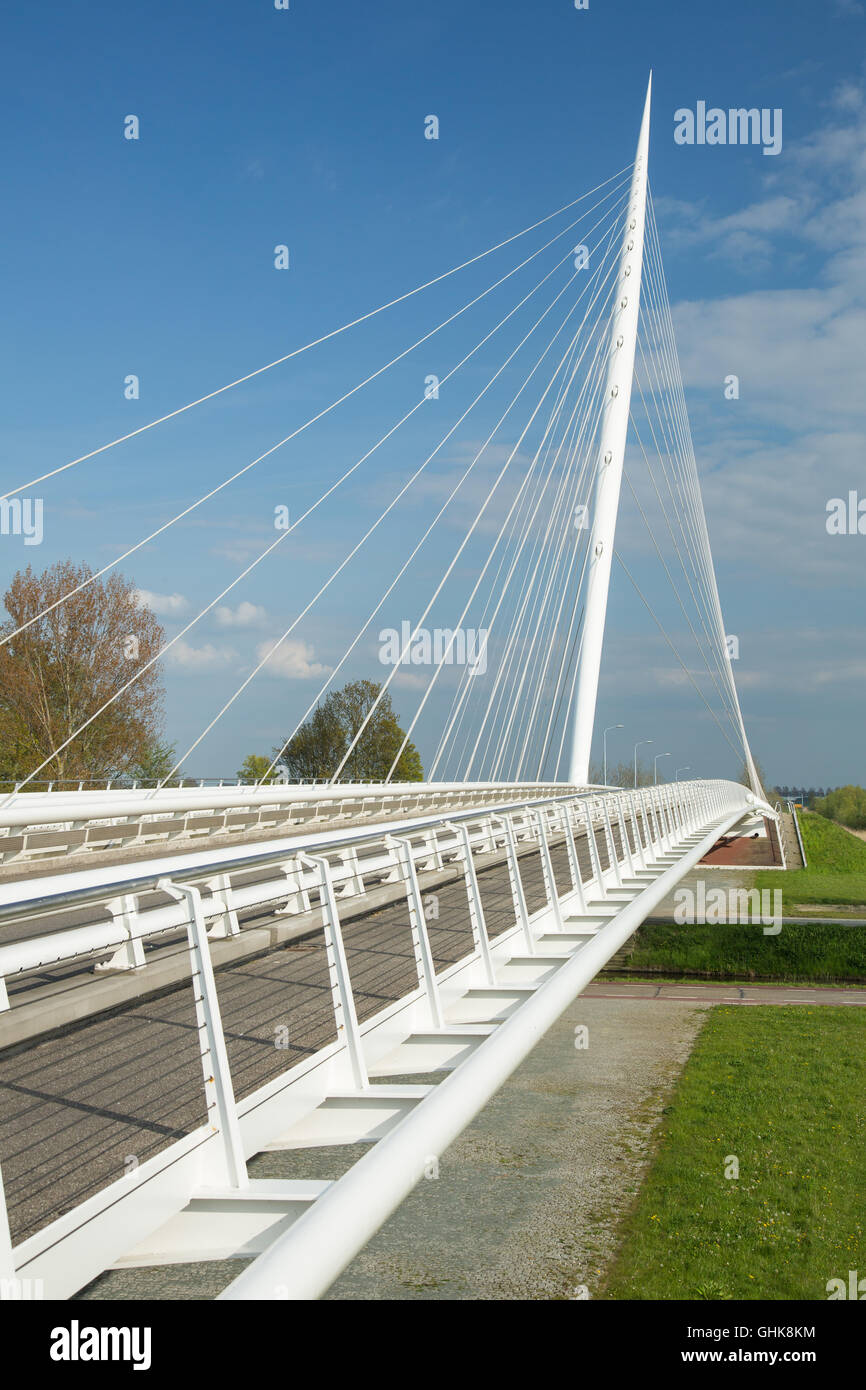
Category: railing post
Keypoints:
(668, 804)
(659, 823)
(297, 896)
(593, 851)
(640, 811)
(625, 839)
(518, 896)
(611, 847)
(219, 1091)
(638, 841)
(675, 812)
(418, 923)
(573, 859)
(473, 894)
(129, 956)
(226, 924)
(345, 1015)
(651, 819)
(547, 869)
(670, 819)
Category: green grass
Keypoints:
(800, 952)
(809, 886)
(830, 848)
(836, 871)
(836, 874)
(783, 1090)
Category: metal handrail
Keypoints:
(793, 811)
(130, 926)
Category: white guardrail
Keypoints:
(40, 825)
(477, 1018)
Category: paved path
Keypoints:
(691, 991)
(526, 1202)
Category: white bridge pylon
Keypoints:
(609, 471)
(611, 450)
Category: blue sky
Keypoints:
(305, 127)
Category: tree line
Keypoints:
(81, 692)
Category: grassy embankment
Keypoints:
(782, 1091)
(836, 874)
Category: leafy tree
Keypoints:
(254, 768)
(155, 764)
(847, 805)
(58, 672)
(319, 745)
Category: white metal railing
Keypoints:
(40, 825)
(356, 861)
(647, 837)
(792, 809)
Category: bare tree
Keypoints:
(623, 775)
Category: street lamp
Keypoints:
(656, 766)
(687, 768)
(636, 747)
(604, 741)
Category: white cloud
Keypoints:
(796, 436)
(164, 604)
(245, 615)
(411, 680)
(795, 352)
(206, 658)
(752, 233)
(292, 661)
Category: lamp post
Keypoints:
(636, 747)
(604, 742)
(687, 768)
(656, 766)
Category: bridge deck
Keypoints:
(127, 1122)
(77, 1108)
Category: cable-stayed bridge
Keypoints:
(194, 975)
